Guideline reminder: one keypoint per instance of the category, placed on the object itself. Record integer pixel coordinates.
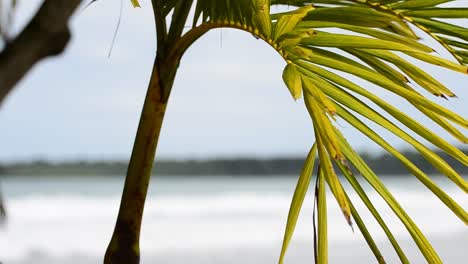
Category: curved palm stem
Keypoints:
(196, 32)
(124, 245)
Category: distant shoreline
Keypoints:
(382, 164)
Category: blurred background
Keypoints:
(231, 148)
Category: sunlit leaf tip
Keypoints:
(288, 21)
(298, 198)
(292, 79)
(135, 3)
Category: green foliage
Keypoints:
(375, 43)
(298, 199)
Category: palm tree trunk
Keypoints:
(124, 245)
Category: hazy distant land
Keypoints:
(382, 164)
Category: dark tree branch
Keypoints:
(47, 34)
(161, 27)
(2, 210)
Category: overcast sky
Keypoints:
(228, 99)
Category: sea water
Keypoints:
(213, 220)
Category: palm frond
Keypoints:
(322, 243)
(372, 51)
(378, 42)
(298, 199)
(254, 15)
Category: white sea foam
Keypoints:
(61, 225)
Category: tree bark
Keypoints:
(124, 245)
(47, 34)
(2, 210)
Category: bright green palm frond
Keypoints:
(373, 41)
(252, 15)
(298, 198)
(427, 15)
(372, 51)
(322, 243)
(431, 17)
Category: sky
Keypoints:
(228, 99)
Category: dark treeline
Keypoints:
(383, 164)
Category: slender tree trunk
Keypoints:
(124, 245)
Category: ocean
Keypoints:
(221, 220)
